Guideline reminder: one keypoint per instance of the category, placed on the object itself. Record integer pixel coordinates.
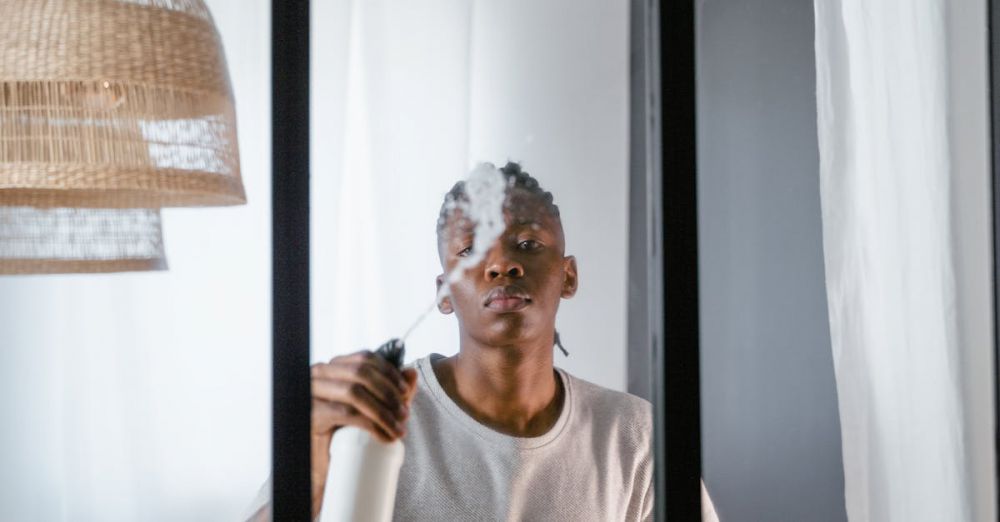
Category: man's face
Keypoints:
(513, 294)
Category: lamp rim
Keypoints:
(43, 185)
(21, 267)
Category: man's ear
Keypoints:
(444, 305)
(571, 279)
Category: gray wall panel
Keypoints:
(771, 432)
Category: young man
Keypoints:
(496, 432)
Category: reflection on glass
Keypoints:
(401, 114)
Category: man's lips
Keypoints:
(507, 304)
(506, 299)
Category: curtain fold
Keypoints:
(885, 172)
(404, 128)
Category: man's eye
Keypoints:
(465, 251)
(528, 244)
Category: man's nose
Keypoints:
(503, 264)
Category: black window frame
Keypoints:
(663, 118)
(993, 26)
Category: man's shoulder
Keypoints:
(612, 406)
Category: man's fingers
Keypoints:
(369, 426)
(367, 375)
(369, 357)
(364, 390)
(327, 415)
(357, 396)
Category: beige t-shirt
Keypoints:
(594, 464)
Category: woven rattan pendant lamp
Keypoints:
(71, 240)
(111, 104)
(115, 103)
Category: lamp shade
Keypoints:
(115, 104)
(70, 240)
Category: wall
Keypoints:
(770, 426)
(147, 396)
(969, 138)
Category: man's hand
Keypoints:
(360, 389)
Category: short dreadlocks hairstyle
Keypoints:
(515, 177)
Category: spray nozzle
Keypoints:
(392, 351)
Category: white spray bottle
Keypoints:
(364, 471)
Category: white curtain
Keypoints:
(887, 176)
(391, 111)
(407, 97)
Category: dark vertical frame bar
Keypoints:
(993, 23)
(664, 349)
(645, 263)
(680, 418)
(290, 414)
(643, 167)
